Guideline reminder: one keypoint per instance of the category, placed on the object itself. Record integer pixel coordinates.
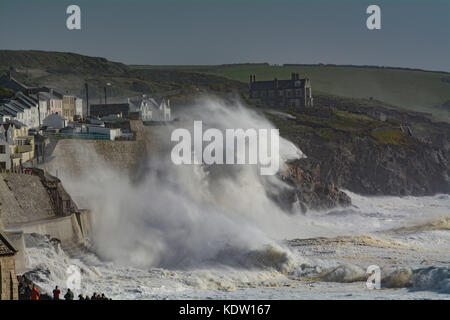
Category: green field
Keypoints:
(410, 89)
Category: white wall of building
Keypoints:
(55, 121)
(79, 107)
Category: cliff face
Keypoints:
(365, 167)
(402, 154)
(311, 190)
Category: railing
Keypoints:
(91, 136)
(17, 171)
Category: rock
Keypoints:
(310, 190)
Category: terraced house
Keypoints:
(293, 93)
(14, 135)
(22, 108)
(47, 100)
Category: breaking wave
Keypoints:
(188, 215)
(177, 228)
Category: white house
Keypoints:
(43, 105)
(21, 108)
(79, 107)
(151, 109)
(55, 121)
(31, 109)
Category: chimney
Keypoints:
(292, 76)
(251, 78)
(275, 83)
(297, 76)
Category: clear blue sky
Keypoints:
(415, 33)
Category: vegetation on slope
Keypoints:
(411, 89)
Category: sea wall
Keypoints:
(18, 241)
(66, 229)
(68, 157)
(23, 198)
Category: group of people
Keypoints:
(69, 295)
(32, 293)
(28, 292)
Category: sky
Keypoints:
(414, 33)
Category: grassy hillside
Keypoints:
(69, 71)
(58, 62)
(415, 90)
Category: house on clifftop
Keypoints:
(8, 277)
(293, 93)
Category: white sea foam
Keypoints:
(188, 229)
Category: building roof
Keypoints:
(6, 248)
(154, 103)
(110, 108)
(55, 91)
(47, 96)
(26, 99)
(12, 83)
(282, 84)
(14, 123)
(6, 111)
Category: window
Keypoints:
(2, 149)
(3, 165)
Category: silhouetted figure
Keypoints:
(27, 292)
(68, 295)
(56, 293)
(35, 294)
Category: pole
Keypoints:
(87, 99)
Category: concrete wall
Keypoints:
(8, 279)
(73, 231)
(18, 241)
(65, 229)
(23, 198)
(85, 223)
(6, 156)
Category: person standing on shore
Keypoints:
(35, 294)
(68, 295)
(27, 292)
(56, 293)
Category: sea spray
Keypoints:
(184, 216)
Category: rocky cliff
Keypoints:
(367, 148)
